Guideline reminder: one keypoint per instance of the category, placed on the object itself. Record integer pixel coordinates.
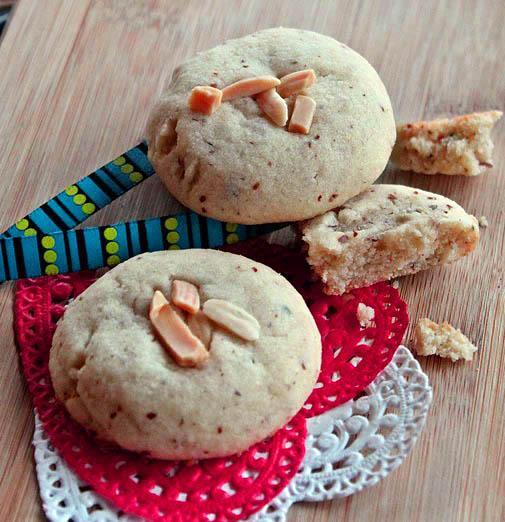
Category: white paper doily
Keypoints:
(348, 448)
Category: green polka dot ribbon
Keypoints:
(44, 242)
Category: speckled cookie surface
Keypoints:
(387, 231)
(115, 377)
(235, 165)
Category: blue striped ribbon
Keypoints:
(43, 242)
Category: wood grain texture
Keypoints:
(78, 79)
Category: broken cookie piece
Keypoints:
(455, 146)
(443, 340)
(385, 232)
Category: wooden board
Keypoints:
(77, 81)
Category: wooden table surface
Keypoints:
(77, 80)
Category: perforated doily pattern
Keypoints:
(217, 489)
(348, 448)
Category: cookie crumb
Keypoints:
(395, 284)
(365, 315)
(443, 340)
(483, 222)
(461, 145)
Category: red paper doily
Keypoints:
(225, 489)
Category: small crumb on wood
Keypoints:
(483, 222)
(443, 340)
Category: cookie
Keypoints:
(116, 377)
(238, 165)
(443, 340)
(456, 146)
(385, 232)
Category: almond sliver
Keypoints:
(296, 82)
(233, 318)
(273, 106)
(158, 301)
(249, 87)
(303, 112)
(185, 296)
(205, 99)
(184, 347)
(200, 325)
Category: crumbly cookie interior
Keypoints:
(456, 146)
(385, 233)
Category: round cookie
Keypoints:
(115, 377)
(237, 166)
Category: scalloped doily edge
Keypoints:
(334, 465)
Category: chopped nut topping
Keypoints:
(184, 347)
(164, 139)
(249, 87)
(205, 99)
(201, 327)
(232, 318)
(296, 82)
(158, 300)
(185, 296)
(273, 106)
(303, 112)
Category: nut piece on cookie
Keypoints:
(114, 375)
(205, 99)
(184, 347)
(185, 296)
(200, 325)
(303, 113)
(218, 159)
(456, 146)
(296, 82)
(164, 139)
(443, 340)
(249, 87)
(273, 106)
(158, 301)
(232, 318)
(385, 232)
(365, 315)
